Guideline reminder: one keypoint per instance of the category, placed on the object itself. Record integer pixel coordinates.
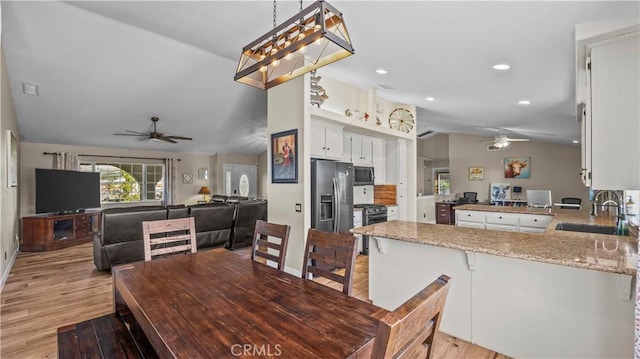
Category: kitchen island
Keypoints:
(552, 294)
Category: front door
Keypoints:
(240, 180)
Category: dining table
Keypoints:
(219, 304)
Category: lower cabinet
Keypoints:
(445, 213)
(357, 222)
(392, 213)
(498, 221)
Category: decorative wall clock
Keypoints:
(401, 119)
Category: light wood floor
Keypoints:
(45, 291)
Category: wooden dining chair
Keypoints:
(169, 236)
(408, 331)
(328, 252)
(263, 248)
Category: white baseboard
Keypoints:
(5, 275)
(293, 271)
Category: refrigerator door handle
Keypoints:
(336, 206)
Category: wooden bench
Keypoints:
(102, 337)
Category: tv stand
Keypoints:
(47, 232)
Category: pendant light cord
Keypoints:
(274, 13)
(300, 5)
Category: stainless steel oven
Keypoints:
(363, 176)
(371, 214)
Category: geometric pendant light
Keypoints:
(314, 37)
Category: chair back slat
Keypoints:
(174, 239)
(263, 248)
(330, 250)
(408, 331)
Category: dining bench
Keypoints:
(103, 337)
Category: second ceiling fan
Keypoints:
(154, 135)
(501, 140)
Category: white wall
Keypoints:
(263, 178)
(9, 196)
(32, 157)
(553, 166)
(433, 152)
(288, 109)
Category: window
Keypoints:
(127, 182)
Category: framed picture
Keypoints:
(476, 173)
(12, 160)
(517, 167)
(284, 155)
(500, 191)
(203, 173)
(187, 178)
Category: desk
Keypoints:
(215, 305)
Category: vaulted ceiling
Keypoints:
(107, 67)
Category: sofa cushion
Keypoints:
(125, 224)
(213, 223)
(177, 211)
(247, 215)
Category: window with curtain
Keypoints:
(128, 182)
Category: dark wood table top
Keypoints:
(221, 304)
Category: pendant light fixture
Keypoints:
(314, 37)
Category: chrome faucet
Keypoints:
(608, 203)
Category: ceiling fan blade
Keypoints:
(129, 134)
(179, 138)
(488, 141)
(518, 139)
(167, 139)
(140, 133)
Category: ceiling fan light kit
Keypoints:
(315, 37)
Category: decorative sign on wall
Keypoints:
(476, 173)
(284, 161)
(517, 167)
(187, 178)
(500, 191)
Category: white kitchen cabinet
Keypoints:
(507, 222)
(326, 141)
(379, 160)
(611, 130)
(358, 149)
(401, 196)
(357, 222)
(500, 221)
(392, 213)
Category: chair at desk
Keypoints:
(409, 330)
(330, 250)
(472, 196)
(261, 244)
(170, 237)
(572, 200)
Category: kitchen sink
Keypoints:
(586, 228)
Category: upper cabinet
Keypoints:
(326, 141)
(379, 157)
(610, 112)
(358, 149)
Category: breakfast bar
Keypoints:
(550, 294)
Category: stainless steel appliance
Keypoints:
(331, 196)
(363, 176)
(371, 213)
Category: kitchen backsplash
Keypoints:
(362, 194)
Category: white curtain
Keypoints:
(170, 175)
(65, 161)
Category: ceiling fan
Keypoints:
(501, 140)
(155, 136)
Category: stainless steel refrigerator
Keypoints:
(331, 196)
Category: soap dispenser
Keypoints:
(630, 207)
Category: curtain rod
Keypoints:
(136, 158)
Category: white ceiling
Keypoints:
(107, 67)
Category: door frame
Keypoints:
(229, 167)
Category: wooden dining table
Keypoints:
(223, 304)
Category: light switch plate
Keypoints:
(298, 207)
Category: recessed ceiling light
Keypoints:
(431, 99)
(30, 89)
(524, 102)
(501, 67)
(381, 71)
(575, 141)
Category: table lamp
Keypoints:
(204, 191)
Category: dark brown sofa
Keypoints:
(120, 239)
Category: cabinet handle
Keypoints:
(328, 148)
(535, 220)
(500, 217)
(324, 148)
(468, 215)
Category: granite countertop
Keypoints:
(607, 253)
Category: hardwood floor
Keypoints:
(45, 291)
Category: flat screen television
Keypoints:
(64, 191)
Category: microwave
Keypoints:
(363, 176)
